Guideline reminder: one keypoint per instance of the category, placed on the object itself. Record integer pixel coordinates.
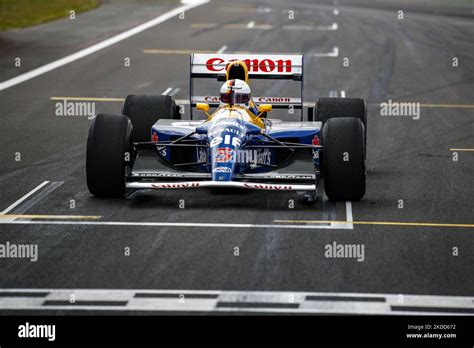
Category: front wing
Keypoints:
(151, 173)
(224, 184)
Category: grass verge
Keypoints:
(25, 13)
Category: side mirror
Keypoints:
(264, 108)
(202, 107)
(201, 129)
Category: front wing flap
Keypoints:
(225, 184)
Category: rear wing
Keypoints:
(260, 66)
(277, 102)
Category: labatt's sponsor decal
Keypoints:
(266, 65)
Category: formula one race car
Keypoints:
(148, 146)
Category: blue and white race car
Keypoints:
(150, 146)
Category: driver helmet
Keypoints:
(237, 70)
(235, 92)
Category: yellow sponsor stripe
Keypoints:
(454, 149)
(382, 223)
(53, 217)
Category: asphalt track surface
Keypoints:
(280, 249)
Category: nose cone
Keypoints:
(223, 163)
(225, 139)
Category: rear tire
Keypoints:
(145, 110)
(109, 141)
(327, 108)
(344, 159)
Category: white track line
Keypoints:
(333, 54)
(105, 291)
(338, 226)
(11, 207)
(333, 26)
(236, 301)
(175, 91)
(222, 49)
(101, 45)
(349, 217)
(166, 91)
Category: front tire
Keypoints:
(109, 153)
(344, 159)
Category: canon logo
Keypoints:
(253, 65)
(274, 99)
(177, 185)
(268, 187)
(211, 98)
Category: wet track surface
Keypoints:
(408, 250)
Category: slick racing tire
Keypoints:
(344, 159)
(327, 108)
(109, 153)
(145, 110)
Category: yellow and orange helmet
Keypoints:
(237, 70)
